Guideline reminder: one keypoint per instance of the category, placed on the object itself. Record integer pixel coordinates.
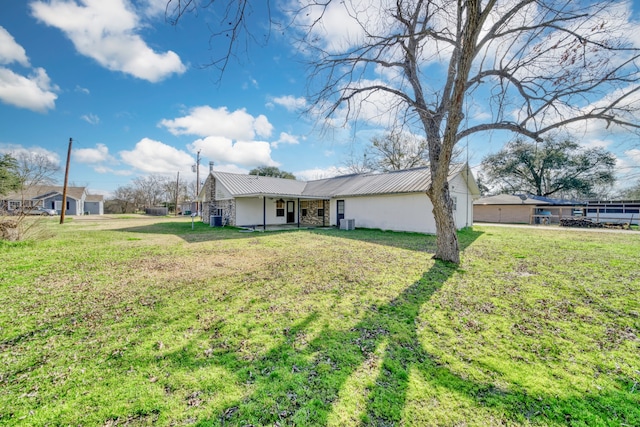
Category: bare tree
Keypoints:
(149, 190)
(540, 65)
(35, 169)
(396, 151)
(124, 200)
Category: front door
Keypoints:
(340, 213)
(291, 212)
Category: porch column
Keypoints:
(298, 212)
(323, 213)
(264, 213)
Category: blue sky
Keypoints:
(132, 92)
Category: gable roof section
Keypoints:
(415, 180)
(253, 185)
(94, 198)
(40, 192)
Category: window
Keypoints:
(280, 207)
(304, 212)
(320, 212)
(454, 201)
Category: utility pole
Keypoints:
(64, 189)
(198, 183)
(177, 192)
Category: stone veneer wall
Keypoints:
(206, 208)
(228, 207)
(312, 218)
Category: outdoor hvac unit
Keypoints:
(347, 224)
(215, 221)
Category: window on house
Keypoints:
(280, 207)
(454, 199)
(320, 212)
(304, 212)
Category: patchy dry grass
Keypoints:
(148, 322)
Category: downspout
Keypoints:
(264, 213)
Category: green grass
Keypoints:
(148, 322)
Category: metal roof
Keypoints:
(404, 181)
(396, 182)
(253, 185)
(508, 199)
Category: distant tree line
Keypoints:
(151, 191)
(162, 190)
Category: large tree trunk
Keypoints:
(446, 233)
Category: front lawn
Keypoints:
(148, 322)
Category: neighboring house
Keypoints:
(390, 201)
(521, 209)
(79, 202)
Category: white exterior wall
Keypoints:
(249, 211)
(398, 212)
(463, 215)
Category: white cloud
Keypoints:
(224, 150)
(34, 93)
(206, 121)
(104, 169)
(230, 169)
(289, 102)
(90, 118)
(154, 8)
(320, 173)
(19, 151)
(107, 32)
(92, 155)
(10, 51)
(285, 138)
(82, 90)
(151, 156)
(634, 155)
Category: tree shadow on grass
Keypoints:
(363, 374)
(318, 383)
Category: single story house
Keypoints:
(394, 200)
(79, 202)
(522, 209)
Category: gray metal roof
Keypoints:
(508, 199)
(396, 182)
(253, 185)
(405, 181)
